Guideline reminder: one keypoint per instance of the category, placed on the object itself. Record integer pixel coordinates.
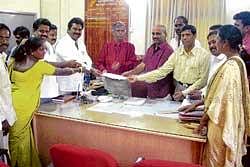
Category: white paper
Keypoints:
(114, 76)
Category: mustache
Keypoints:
(4, 45)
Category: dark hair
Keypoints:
(244, 16)
(184, 19)
(212, 33)
(4, 27)
(76, 20)
(53, 27)
(24, 50)
(189, 27)
(41, 21)
(22, 31)
(231, 34)
(215, 27)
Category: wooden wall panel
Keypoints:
(99, 16)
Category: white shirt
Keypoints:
(215, 63)
(174, 43)
(49, 86)
(66, 50)
(6, 107)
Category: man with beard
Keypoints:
(7, 113)
(216, 61)
(49, 87)
(72, 47)
(189, 64)
(179, 23)
(155, 57)
(118, 55)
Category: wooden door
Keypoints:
(99, 16)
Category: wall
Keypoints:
(19, 6)
(137, 24)
(59, 12)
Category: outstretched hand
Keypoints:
(72, 64)
(132, 78)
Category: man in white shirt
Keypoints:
(179, 23)
(52, 35)
(49, 87)
(72, 47)
(7, 113)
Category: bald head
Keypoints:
(159, 34)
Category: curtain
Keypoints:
(200, 13)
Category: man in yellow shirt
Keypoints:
(189, 64)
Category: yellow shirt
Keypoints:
(189, 68)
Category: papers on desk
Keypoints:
(163, 108)
(135, 101)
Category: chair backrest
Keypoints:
(162, 163)
(64, 155)
(3, 164)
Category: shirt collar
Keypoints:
(72, 40)
(183, 52)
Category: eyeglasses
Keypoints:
(156, 33)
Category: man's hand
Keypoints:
(96, 72)
(72, 64)
(132, 78)
(126, 74)
(187, 108)
(5, 127)
(178, 96)
(195, 95)
(115, 65)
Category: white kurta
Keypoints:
(49, 87)
(6, 108)
(66, 50)
(215, 63)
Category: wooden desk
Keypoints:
(123, 136)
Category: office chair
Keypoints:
(3, 164)
(162, 163)
(4, 155)
(64, 155)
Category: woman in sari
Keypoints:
(26, 74)
(227, 105)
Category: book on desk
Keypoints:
(63, 98)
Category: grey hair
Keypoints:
(118, 24)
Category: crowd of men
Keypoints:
(179, 68)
